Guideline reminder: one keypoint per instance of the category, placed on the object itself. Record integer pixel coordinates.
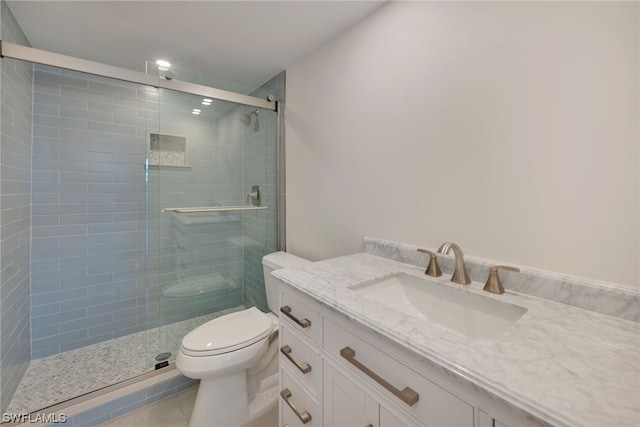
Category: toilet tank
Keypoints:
(273, 262)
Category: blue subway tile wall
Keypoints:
(16, 79)
(88, 208)
(107, 261)
(196, 256)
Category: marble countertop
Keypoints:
(559, 364)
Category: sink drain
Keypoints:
(163, 356)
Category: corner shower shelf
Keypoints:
(216, 209)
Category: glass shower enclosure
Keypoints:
(211, 205)
(153, 202)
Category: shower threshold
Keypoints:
(64, 376)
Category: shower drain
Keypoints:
(163, 356)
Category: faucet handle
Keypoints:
(494, 285)
(433, 269)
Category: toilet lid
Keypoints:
(229, 332)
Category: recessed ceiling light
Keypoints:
(207, 100)
(195, 112)
(163, 63)
(206, 103)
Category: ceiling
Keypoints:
(214, 42)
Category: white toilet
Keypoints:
(234, 356)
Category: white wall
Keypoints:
(509, 128)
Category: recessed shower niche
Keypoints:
(167, 150)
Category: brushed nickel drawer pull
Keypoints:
(305, 416)
(303, 367)
(407, 395)
(304, 323)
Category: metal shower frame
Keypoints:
(38, 56)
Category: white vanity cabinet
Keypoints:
(334, 372)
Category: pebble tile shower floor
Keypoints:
(63, 376)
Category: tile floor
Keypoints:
(63, 376)
(175, 411)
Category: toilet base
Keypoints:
(222, 402)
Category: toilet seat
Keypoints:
(228, 333)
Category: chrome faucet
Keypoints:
(460, 274)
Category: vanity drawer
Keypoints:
(434, 406)
(300, 315)
(302, 403)
(300, 358)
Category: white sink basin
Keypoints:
(471, 315)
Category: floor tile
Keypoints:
(165, 413)
(187, 399)
(270, 419)
(153, 415)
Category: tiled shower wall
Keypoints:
(198, 248)
(260, 166)
(91, 278)
(88, 247)
(15, 212)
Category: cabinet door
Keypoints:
(346, 404)
(359, 356)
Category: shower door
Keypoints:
(119, 269)
(212, 213)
